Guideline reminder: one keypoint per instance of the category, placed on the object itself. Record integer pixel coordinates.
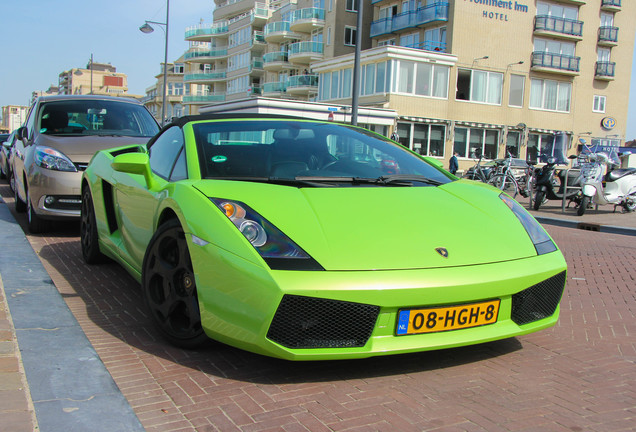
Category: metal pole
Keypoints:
(356, 68)
(91, 73)
(165, 67)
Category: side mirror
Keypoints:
(134, 163)
(22, 133)
(6, 144)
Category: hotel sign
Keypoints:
(497, 8)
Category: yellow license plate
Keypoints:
(437, 319)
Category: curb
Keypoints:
(587, 226)
(70, 387)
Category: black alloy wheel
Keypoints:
(169, 287)
(89, 238)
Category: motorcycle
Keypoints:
(617, 187)
(550, 187)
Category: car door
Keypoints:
(137, 204)
(25, 136)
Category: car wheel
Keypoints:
(3, 172)
(538, 199)
(630, 205)
(169, 288)
(35, 223)
(89, 238)
(20, 206)
(585, 201)
(11, 182)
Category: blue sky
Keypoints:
(41, 38)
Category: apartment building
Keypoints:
(266, 48)
(494, 76)
(175, 90)
(487, 77)
(96, 78)
(12, 117)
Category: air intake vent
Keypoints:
(308, 322)
(539, 301)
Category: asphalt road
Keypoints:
(576, 376)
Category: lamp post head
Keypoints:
(146, 28)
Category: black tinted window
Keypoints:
(165, 150)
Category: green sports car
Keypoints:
(307, 240)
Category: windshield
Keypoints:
(96, 117)
(309, 151)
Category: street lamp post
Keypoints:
(147, 28)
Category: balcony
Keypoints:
(254, 90)
(556, 63)
(204, 77)
(203, 33)
(205, 56)
(437, 12)
(308, 19)
(302, 85)
(558, 27)
(274, 89)
(306, 52)
(611, 5)
(210, 98)
(256, 66)
(605, 71)
(277, 32)
(430, 45)
(608, 36)
(276, 61)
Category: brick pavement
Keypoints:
(576, 376)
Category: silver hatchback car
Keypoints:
(59, 138)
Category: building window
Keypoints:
(599, 104)
(350, 36)
(550, 95)
(351, 6)
(422, 79)
(328, 35)
(474, 142)
(555, 47)
(517, 83)
(558, 10)
(411, 40)
(387, 42)
(428, 140)
(179, 68)
(479, 86)
(513, 141)
(537, 143)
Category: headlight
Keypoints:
(49, 158)
(540, 238)
(278, 250)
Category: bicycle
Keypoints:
(504, 179)
(478, 173)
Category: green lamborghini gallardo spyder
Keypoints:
(306, 240)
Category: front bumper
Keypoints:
(62, 189)
(239, 302)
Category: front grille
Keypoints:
(539, 301)
(308, 322)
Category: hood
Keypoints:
(81, 148)
(387, 228)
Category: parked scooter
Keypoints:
(550, 187)
(617, 187)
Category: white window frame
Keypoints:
(561, 86)
(352, 33)
(351, 6)
(523, 89)
(599, 104)
(471, 88)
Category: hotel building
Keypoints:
(465, 76)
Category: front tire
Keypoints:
(169, 287)
(538, 199)
(630, 205)
(89, 238)
(35, 223)
(585, 201)
(20, 206)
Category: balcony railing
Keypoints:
(254, 90)
(555, 61)
(205, 76)
(217, 97)
(208, 53)
(306, 47)
(424, 15)
(430, 45)
(302, 81)
(273, 57)
(611, 3)
(274, 87)
(605, 69)
(308, 14)
(558, 25)
(256, 64)
(608, 34)
(206, 29)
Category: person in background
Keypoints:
(453, 164)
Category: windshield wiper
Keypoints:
(401, 178)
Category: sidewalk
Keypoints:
(51, 378)
(68, 389)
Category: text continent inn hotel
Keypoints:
(465, 76)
